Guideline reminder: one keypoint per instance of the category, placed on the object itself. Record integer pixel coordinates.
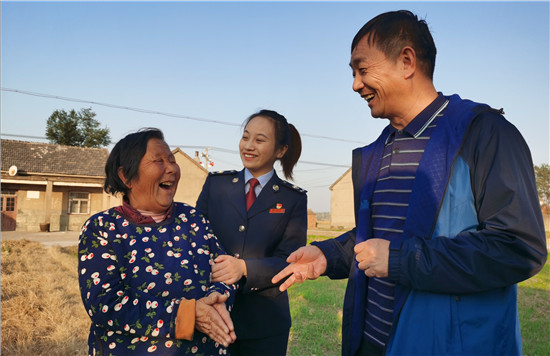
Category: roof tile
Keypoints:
(36, 157)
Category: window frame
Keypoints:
(9, 198)
(78, 201)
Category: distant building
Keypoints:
(341, 202)
(51, 187)
(311, 219)
(193, 176)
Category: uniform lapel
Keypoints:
(235, 193)
(267, 198)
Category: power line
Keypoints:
(118, 106)
(212, 148)
(24, 136)
(147, 111)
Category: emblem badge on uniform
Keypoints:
(278, 209)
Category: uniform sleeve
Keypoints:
(202, 201)
(109, 301)
(509, 243)
(215, 247)
(260, 271)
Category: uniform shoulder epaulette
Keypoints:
(218, 173)
(293, 186)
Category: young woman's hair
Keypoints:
(285, 135)
(127, 154)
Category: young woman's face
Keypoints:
(158, 176)
(258, 146)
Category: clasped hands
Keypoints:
(309, 262)
(212, 319)
(211, 315)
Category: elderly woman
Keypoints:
(144, 267)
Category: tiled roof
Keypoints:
(37, 157)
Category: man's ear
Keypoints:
(123, 178)
(408, 60)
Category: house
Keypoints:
(51, 187)
(311, 219)
(341, 202)
(193, 176)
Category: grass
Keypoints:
(534, 313)
(316, 309)
(42, 313)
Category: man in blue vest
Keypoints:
(447, 215)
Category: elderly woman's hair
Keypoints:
(127, 154)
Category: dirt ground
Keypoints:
(59, 238)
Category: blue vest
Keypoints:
(428, 323)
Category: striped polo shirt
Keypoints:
(390, 201)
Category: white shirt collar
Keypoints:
(261, 179)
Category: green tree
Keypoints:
(542, 175)
(76, 129)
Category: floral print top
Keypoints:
(132, 278)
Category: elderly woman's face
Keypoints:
(158, 176)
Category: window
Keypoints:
(79, 203)
(8, 201)
(10, 204)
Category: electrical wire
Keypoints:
(154, 112)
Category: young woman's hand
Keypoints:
(228, 269)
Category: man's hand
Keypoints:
(212, 318)
(373, 256)
(307, 262)
(228, 269)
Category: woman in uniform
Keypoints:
(259, 219)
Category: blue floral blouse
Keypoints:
(132, 278)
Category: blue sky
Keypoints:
(222, 61)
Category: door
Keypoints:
(9, 211)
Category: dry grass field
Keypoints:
(42, 313)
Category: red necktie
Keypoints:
(251, 195)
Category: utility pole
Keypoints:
(206, 161)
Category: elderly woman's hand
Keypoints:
(212, 318)
(228, 269)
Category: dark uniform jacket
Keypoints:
(274, 227)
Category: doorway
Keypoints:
(9, 211)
